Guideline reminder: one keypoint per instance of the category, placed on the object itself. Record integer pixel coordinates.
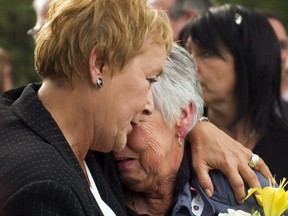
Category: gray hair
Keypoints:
(182, 6)
(177, 87)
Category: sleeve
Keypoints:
(223, 197)
(43, 198)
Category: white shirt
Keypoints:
(106, 210)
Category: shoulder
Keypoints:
(274, 143)
(30, 164)
(223, 197)
(45, 198)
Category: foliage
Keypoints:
(16, 18)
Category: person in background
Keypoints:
(154, 166)
(181, 11)
(94, 89)
(285, 75)
(240, 74)
(206, 134)
(6, 79)
(285, 89)
(281, 33)
(211, 147)
(41, 8)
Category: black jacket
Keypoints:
(39, 173)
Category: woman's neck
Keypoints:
(61, 102)
(242, 132)
(151, 202)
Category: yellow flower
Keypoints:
(274, 200)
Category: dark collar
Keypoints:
(183, 177)
(31, 111)
(185, 174)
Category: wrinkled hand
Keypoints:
(212, 149)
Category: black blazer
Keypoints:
(39, 173)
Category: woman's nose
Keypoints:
(149, 108)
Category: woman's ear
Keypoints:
(95, 66)
(183, 124)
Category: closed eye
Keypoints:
(152, 80)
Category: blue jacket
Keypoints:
(190, 199)
(193, 201)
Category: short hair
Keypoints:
(117, 28)
(181, 6)
(250, 39)
(177, 87)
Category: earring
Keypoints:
(179, 140)
(99, 82)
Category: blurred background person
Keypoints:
(238, 58)
(285, 88)
(281, 33)
(181, 11)
(41, 8)
(6, 78)
(154, 167)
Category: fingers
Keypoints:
(237, 185)
(213, 149)
(257, 163)
(264, 169)
(234, 176)
(249, 176)
(205, 181)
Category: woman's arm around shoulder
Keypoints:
(212, 149)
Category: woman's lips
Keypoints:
(124, 163)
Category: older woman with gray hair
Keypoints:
(154, 166)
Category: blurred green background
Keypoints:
(17, 16)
